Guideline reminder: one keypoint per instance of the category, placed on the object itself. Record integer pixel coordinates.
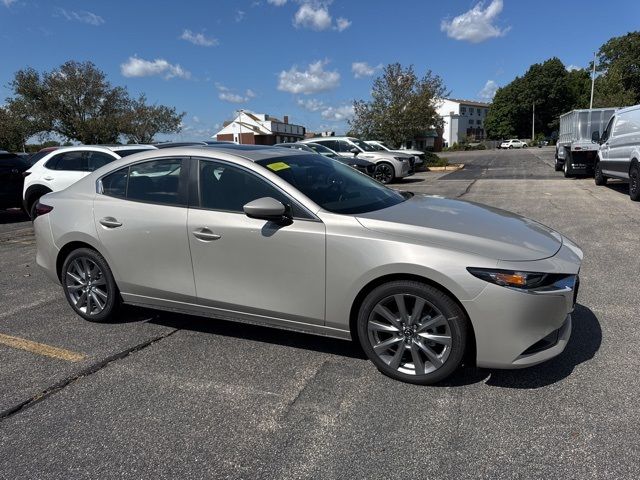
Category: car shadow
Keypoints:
(13, 215)
(620, 187)
(259, 333)
(585, 341)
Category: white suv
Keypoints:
(389, 165)
(381, 147)
(64, 166)
(513, 143)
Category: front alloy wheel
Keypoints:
(412, 332)
(384, 173)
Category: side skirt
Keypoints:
(234, 316)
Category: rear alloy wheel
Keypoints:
(412, 332)
(384, 173)
(634, 183)
(89, 285)
(599, 178)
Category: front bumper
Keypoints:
(516, 329)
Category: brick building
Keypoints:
(260, 129)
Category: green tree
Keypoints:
(402, 107)
(549, 86)
(143, 122)
(75, 101)
(16, 126)
(619, 63)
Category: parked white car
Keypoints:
(619, 152)
(390, 166)
(381, 147)
(64, 166)
(514, 143)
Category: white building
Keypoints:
(260, 129)
(463, 120)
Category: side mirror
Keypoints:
(355, 151)
(267, 208)
(595, 137)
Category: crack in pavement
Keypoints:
(468, 188)
(90, 370)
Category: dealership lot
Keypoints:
(173, 396)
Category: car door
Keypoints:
(11, 180)
(140, 215)
(604, 151)
(65, 169)
(252, 266)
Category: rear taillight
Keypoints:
(26, 174)
(42, 209)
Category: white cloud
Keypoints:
(489, 90)
(313, 16)
(240, 15)
(571, 68)
(342, 24)
(277, 3)
(338, 114)
(139, 67)
(199, 39)
(227, 95)
(8, 3)
(82, 16)
(195, 119)
(477, 24)
(363, 69)
(311, 104)
(314, 79)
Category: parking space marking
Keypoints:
(41, 348)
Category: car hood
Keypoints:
(408, 152)
(466, 226)
(381, 155)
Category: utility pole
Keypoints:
(593, 79)
(533, 123)
(240, 112)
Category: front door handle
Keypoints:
(205, 234)
(110, 222)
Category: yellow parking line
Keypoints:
(41, 348)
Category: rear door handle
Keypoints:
(205, 234)
(110, 222)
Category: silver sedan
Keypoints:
(300, 241)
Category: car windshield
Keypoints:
(334, 186)
(376, 147)
(322, 150)
(363, 145)
(127, 152)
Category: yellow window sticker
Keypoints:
(276, 167)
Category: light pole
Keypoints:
(533, 123)
(240, 112)
(593, 80)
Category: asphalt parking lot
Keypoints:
(158, 395)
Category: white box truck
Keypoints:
(576, 151)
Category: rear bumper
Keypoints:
(46, 250)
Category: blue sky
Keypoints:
(305, 58)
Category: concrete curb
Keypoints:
(449, 168)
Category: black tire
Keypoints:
(557, 166)
(566, 167)
(510, 147)
(634, 182)
(385, 173)
(454, 322)
(32, 210)
(598, 176)
(69, 285)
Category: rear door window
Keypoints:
(95, 160)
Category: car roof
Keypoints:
(130, 146)
(177, 144)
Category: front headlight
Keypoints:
(525, 280)
(401, 159)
